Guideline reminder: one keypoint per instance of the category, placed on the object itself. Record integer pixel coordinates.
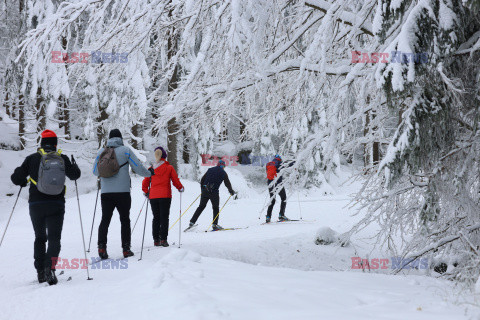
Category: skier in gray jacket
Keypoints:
(116, 193)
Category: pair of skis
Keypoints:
(224, 229)
(284, 221)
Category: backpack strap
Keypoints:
(32, 181)
(124, 164)
(42, 152)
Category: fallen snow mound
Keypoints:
(327, 236)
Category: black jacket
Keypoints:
(30, 168)
(213, 178)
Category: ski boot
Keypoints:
(216, 227)
(283, 218)
(127, 252)
(50, 276)
(164, 243)
(102, 251)
(157, 242)
(267, 220)
(41, 276)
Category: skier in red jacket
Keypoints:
(160, 195)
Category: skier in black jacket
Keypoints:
(276, 164)
(46, 211)
(210, 184)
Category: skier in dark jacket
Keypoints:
(210, 184)
(46, 211)
(116, 193)
(273, 169)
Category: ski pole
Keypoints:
(11, 214)
(145, 224)
(299, 207)
(141, 209)
(180, 223)
(184, 213)
(81, 227)
(218, 213)
(94, 212)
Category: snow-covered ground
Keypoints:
(261, 272)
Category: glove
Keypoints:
(24, 184)
(151, 171)
(181, 190)
(232, 193)
(147, 195)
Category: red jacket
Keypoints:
(160, 187)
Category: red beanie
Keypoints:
(49, 138)
(48, 134)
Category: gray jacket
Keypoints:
(121, 181)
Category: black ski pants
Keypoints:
(161, 213)
(121, 201)
(206, 196)
(283, 198)
(47, 221)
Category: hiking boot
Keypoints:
(283, 218)
(164, 243)
(156, 242)
(50, 276)
(102, 251)
(267, 220)
(41, 276)
(216, 227)
(127, 253)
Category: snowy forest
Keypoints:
(387, 90)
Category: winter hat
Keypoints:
(160, 154)
(277, 156)
(115, 133)
(49, 138)
(221, 163)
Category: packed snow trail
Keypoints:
(261, 272)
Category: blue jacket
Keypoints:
(121, 181)
(213, 178)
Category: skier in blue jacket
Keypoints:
(116, 193)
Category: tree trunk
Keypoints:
(65, 113)
(172, 135)
(100, 130)
(186, 148)
(7, 104)
(154, 114)
(136, 133)
(366, 146)
(21, 120)
(41, 111)
(65, 117)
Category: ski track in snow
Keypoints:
(262, 272)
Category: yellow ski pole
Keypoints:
(218, 213)
(184, 212)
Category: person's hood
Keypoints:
(158, 164)
(115, 142)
